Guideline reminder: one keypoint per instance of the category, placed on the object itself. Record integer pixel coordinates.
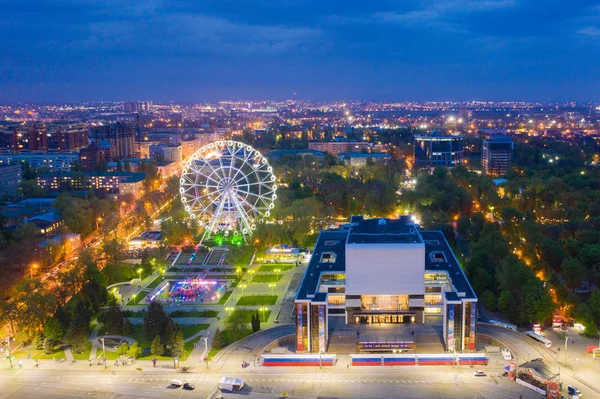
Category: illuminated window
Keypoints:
(433, 299)
(328, 257)
(433, 310)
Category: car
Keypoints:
(479, 373)
(176, 383)
(189, 386)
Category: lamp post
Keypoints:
(242, 286)
(205, 354)
(272, 285)
(229, 310)
(262, 311)
(31, 269)
(99, 219)
(139, 271)
(277, 271)
(566, 347)
(103, 352)
(133, 296)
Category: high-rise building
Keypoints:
(10, 179)
(432, 151)
(132, 106)
(93, 156)
(496, 155)
(67, 137)
(121, 137)
(17, 138)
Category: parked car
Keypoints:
(479, 373)
(189, 386)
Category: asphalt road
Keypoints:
(263, 382)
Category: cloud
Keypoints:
(436, 11)
(589, 31)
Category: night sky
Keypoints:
(197, 50)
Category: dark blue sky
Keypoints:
(194, 50)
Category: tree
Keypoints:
(255, 322)
(237, 321)
(77, 338)
(178, 345)
(552, 252)
(170, 331)
(489, 300)
(113, 249)
(123, 349)
(114, 318)
(38, 341)
(135, 351)
(573, 272)
(507, 305)
(155, 321)
(463, 225)
(48, 346)
(127, 328)
(53, 330)
(219, 341)
(157, 348)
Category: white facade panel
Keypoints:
(385, 269)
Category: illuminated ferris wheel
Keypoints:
(227, 186)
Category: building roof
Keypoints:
(328, 241)
(382, 231)
(539, 367)
(438, 254)
(364, 155)
(46, 217)
(435, 242)
(499, 139)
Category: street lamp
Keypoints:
(262, 311)
(99, 219)
(103, 352)
(566, 346)
(31, 270)
(205, 355)
(133, 296)
(277, 271)
(242, 286)
(139, 271)
(229, 310)
(272, 285)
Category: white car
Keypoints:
(479, 373)
(506, 354)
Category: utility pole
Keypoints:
(566, 346)
(205, 354)
(103, 353)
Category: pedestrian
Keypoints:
(20, 363)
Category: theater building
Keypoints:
(384, 271)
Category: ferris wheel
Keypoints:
(228, 186)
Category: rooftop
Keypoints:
(364, 155)
(382, 231)
(328, 241)
(435, 243)
(438, 254)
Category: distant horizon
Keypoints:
(167, 102)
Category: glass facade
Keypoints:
(384, 302)
(302, 327)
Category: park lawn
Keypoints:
(271, 268)
(39, 354)
(225, 297)
(232, 336)
(138, 298)
(85, 355)
(266, 278)
(194, 313)
(257, 300)
(155, 282)
(264, 315)
(213, 352)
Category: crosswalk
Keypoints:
(268, 380)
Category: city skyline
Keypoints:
(65, 51)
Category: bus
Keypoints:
(542, 340)
(504, 325)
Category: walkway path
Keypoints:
(93, 339)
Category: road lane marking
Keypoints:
(12, 376)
